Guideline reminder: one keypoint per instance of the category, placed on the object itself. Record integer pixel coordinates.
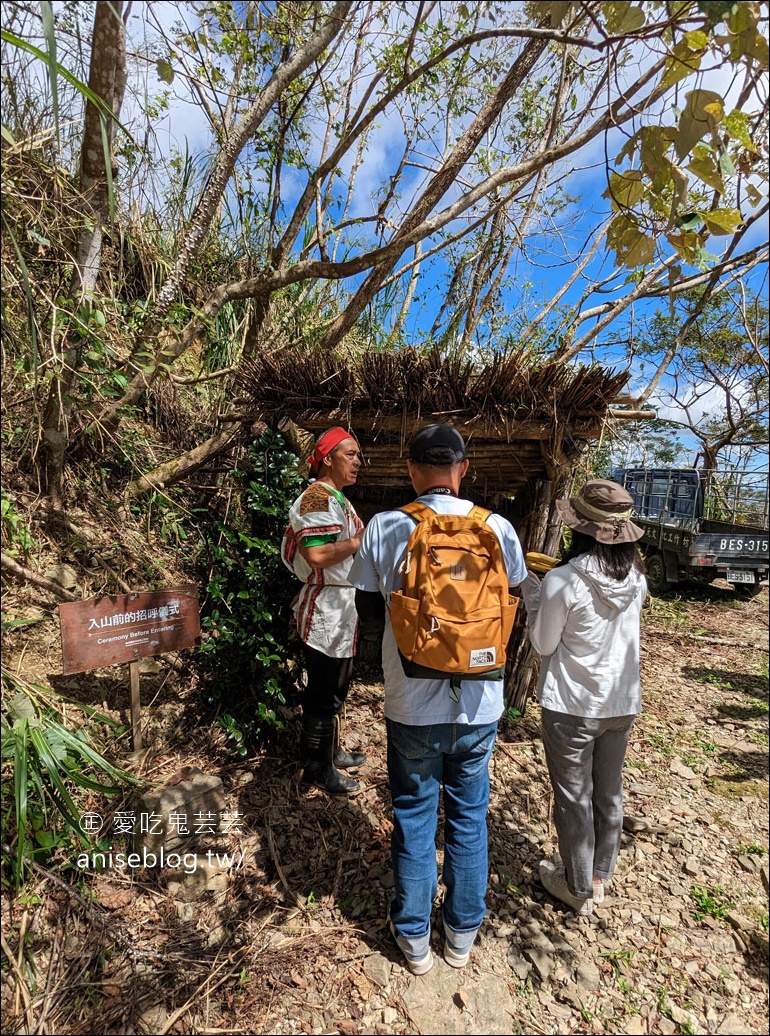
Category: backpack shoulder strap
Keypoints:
(481, 513)
(419, 512)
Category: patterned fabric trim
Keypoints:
(319, 530)
(316, 498)
(307, 607)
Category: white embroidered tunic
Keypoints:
(324, 609)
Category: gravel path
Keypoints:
(680, 944)
(294, 940)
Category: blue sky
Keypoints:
(536, 273)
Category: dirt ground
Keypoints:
(288, 935)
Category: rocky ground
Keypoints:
(291, 938)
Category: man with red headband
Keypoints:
(323, 535)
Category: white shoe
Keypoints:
(454, 959)
(554, 880)
(457, 958)
(417, 967)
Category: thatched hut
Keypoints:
(527, 424)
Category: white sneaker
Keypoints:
(417, 967)
(554, 880)
(598, 893)
(456, 960)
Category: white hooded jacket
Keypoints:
(586, 626)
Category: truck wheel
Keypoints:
(656, 573)
(748, 589)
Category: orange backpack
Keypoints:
(453, 615)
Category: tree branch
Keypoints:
(27, 575)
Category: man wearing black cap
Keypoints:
(434, 740)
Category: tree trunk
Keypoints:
(106, 79)
(181, 467)
(147, 355)
(539, 528)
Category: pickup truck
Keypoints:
(701, 525)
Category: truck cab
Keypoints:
(701, 525)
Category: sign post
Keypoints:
(136, 707)
(108, 630)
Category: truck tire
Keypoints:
(748, 589)
(656, 573)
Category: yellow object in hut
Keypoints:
(540, 562)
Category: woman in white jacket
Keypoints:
(584, 620)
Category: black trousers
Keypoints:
(328, 682)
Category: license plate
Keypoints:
(734, 576)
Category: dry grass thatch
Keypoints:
(523, 420)
(411, 384)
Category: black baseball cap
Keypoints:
(437, 444)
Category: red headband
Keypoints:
(326, 444)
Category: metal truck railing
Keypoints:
(740, 498)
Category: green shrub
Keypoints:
(48, 774)
(17, 539)
(250, 659)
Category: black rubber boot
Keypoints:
(343, 759)
(318, 734)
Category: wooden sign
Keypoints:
(108, 630)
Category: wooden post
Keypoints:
(136, 713)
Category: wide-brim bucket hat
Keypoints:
(601, 509)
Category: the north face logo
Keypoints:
(483, 657)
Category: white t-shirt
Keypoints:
(421, 702)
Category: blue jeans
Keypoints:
(420, 761)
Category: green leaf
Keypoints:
(722, 221)
(654, 144)
(57, 790)
(81, 87)
(726, 164)
(622, 16)
(49, 32)
(165, 71)
(625, 189)
(716, 10)
(90, 755)
(699, 117)
(690, 221)
(746, 35)
(555, 10)
(755, 196)
(688, 244)
(705, 168)
(20, 795)
(683, 61)
(22, 708)
(38, 238)
(631, 245)
(737, 125)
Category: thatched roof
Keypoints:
(520, 418)
(507, 391)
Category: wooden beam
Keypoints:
(631, 415)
